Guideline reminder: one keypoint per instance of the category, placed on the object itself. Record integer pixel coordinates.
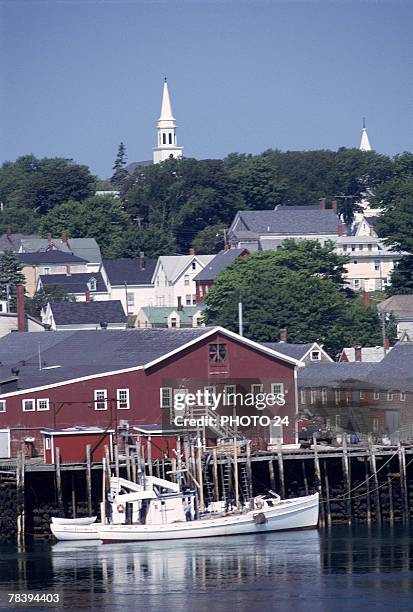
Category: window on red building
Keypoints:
(123, 399)
(101, 399)
(217, 353)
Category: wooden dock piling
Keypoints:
(89, 479)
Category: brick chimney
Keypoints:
(180, 307)
(21, 319)
(366, 298)
(340, 229)
(191, 251)
(322, 203)
(357, 353)
(87, 295)
(142, 260)
(283, 334)
(334, 205)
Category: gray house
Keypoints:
(260, 230)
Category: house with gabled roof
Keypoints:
(260, 230)
(62, 315)
(48, 262)
(83, 287)
(130, 281)
(108, 378)
(206, 277)
(174, 276)
(86, 248)
(169, 316)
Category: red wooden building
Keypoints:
(117, 379)
(73, 442)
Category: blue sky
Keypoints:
(79, 76)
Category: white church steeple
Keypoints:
(364, 142)
(166, 131)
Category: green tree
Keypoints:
(306, 294)
(120, 172)
(41, 184)
(50, 293)
(152, 239)
(99, 217)
(209, 240)
(11, 275)
(396, 225)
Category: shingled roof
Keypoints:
(287, 220)
(74, 283)
(49, 257)
(121, 271)
(395, 372)
(81, 313)
(219, 263)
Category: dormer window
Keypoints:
(315, 355)
(92, 284)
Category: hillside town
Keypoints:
(100, 319)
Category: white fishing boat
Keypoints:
(169, 518)
(124, 499)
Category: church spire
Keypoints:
(166, 109)
(364, 142)
(166, 131)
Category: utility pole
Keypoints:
(240, 319)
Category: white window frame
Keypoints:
(42, 399)
(188, 299)
(187, 280)
(275, 386)
(168, 403)
(47, 443)
(303, 396)
(375, 425)
(103, 400)
(402, 396)
(260, 386)
(361, 394)
(337, 395)
(92, 286)
(324, 396)
(376, 395)
(125, 401)
(33, 403)
(389, 395)
(313, 396)
(338, 421)
(317, 358)
(2, 405)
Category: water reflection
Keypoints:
(329, 570)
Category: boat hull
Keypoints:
(86, 520)
(75, 532)
(301, 513)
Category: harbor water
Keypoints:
(344, 568)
